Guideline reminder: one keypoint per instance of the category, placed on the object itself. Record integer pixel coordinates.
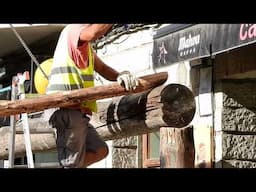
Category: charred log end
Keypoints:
(178, 105)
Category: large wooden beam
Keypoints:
(170, 105)
(69, 98)
(40, 143)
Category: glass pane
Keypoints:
(154, 145)
(46, 157)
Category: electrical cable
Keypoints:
(28, 51)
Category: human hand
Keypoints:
(128, 80)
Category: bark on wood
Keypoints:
(165, 106)
(69, 98)
(177, 148)
(40, 142)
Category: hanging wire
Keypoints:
(28, 51)
(121, 41)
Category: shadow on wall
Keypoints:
(219, 164)
(238, 92)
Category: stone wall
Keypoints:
(124, 153)
(239, 123)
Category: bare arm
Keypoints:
(126, 79)
(91, 33)
(94, 31)
(104, 70)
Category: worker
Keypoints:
(74, 62)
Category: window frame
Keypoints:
(147, 161)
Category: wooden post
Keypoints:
(177, 147)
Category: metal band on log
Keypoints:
(170, 105)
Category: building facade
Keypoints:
(216, 61)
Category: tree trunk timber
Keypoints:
(135, 114)
(165, 106)
(69, 98)
(177, 148)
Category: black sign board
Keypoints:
(195, 42)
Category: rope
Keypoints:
(28, 51)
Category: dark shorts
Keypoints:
(75, 137)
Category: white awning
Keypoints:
(29, 33)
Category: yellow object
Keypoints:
(39, 79)
(67, 76)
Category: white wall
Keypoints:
(132, 53)
(107, 162)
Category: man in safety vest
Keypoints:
(74, 62)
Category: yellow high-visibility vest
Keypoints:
(65, 75)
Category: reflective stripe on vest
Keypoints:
(67, 76)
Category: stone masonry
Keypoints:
(239, 123)
(124, 153)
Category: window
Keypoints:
(151, 150)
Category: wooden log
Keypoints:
(172, 105)
(40, 142)
(177, 148)
(69, 98)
